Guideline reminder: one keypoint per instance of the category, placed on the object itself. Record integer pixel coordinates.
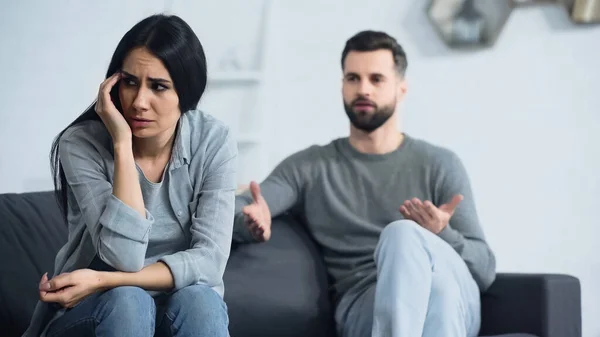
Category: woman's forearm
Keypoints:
(126, 184)
(156, 277)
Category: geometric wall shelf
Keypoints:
(579, 11)
(469, 24)
(583, 11)
(476, 24)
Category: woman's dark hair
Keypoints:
(171, 40)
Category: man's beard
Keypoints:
(369, 121)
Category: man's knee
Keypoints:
(401, 230)
(401, 234)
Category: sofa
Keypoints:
(279, 288)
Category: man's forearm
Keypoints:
(156, 277)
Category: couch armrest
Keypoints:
(546, 305)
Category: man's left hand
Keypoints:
(68, 289)
(426, 214)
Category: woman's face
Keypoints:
(148, 98)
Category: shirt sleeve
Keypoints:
(211, 229)
(119, 233)
(464, 232)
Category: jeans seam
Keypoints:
(171, 318)
(73, 324)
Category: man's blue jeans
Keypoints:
(196, 310)
(422, 287)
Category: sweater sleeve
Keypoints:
(464, 232)
(282, 190)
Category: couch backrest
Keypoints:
(32, 231)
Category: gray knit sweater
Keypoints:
(347, 197)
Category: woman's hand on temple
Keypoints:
(116, 124)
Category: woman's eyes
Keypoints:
(159, 87)
(155, 86)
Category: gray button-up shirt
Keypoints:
(201, 192)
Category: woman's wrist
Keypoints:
(123, 147)
(108, 280)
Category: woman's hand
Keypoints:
(68, 289)
(116, 124)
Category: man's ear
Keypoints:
(402, 86)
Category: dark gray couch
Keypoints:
(278, 288)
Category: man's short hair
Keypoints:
(370, 40)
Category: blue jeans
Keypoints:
(196, 310)
(422, 287)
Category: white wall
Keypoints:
(524, 115)
(53, 57)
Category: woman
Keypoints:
(147, 185)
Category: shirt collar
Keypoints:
(181, 146)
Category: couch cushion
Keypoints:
(278, 288)
(31, 233)
(513, 335)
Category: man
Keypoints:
(394, 215)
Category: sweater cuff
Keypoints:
(453, 237)
(241, 233)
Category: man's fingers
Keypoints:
(255, 191)
(253, 225)
(414, 212)
(455, 201)
(430, 209)
(404, 211)
(421, 209)
(418, 212)
(452, 204)
(260, 235)
(250, 211)
(258, 232)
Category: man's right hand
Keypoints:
(257, 215)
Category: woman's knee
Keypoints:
(129, 302)
(201, 304)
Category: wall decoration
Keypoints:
(583, 11)
(475, 24)
(522, 3)
(469, 24)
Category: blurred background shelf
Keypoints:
(232, 77)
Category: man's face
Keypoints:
(371, 88)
